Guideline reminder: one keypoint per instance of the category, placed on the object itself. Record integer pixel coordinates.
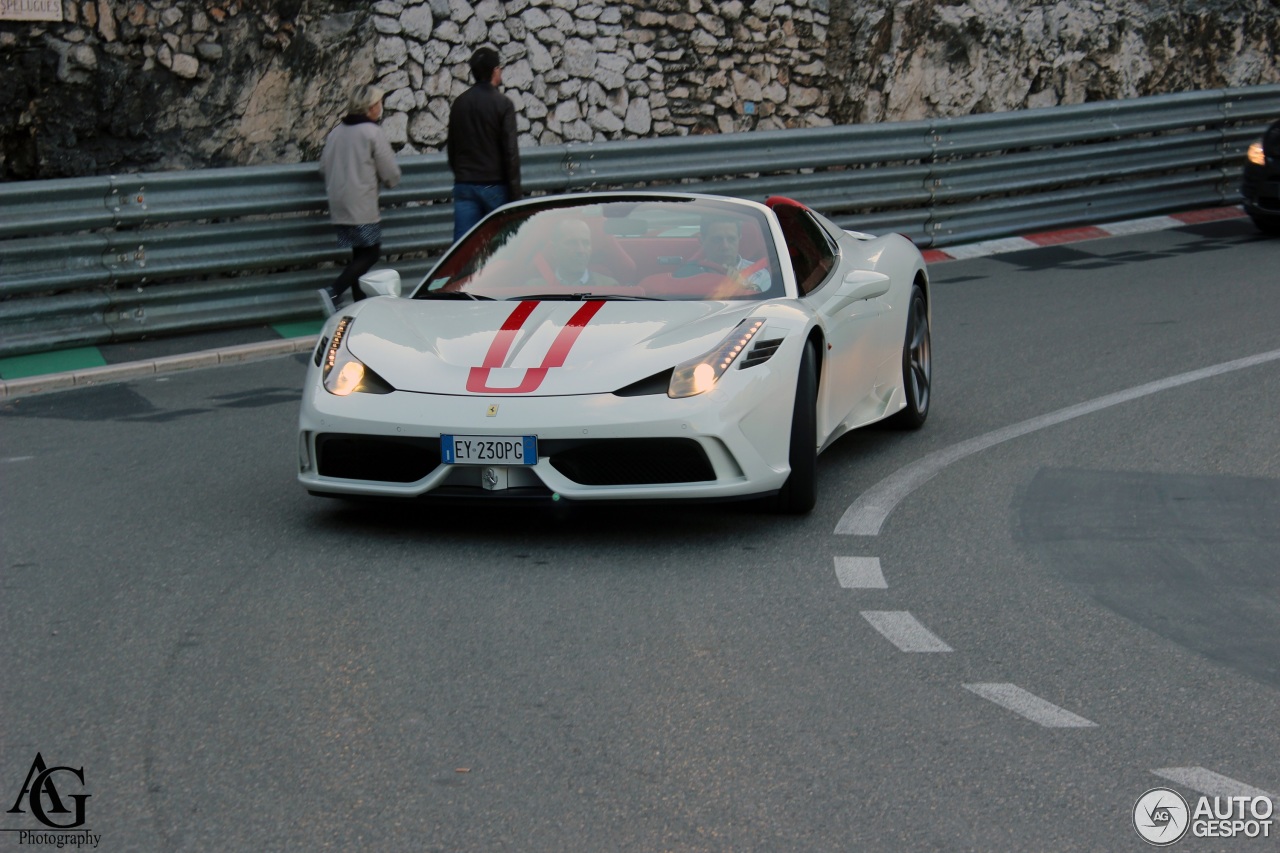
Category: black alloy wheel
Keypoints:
(917, 365)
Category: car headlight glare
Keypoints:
(348, 378)
(1255, 155)
(699, 375)
(343, 372)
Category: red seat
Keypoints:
(608, 257)
(707, 285)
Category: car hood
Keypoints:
(532, 348)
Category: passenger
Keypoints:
(568, 258)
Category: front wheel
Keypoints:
(917, 365)
(1266, 224)
(799, 494)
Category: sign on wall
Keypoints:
(30, 10)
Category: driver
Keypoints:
(720, 237)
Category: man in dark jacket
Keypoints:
(483, 153)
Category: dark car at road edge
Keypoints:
(1260, 186)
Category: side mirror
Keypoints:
(863, 284)
(381, 283)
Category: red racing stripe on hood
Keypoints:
(569, 334)
(502, 341)
(478, 377)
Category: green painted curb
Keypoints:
(59, 361)
(300, 329)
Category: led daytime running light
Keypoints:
(339, 334)
(701, 374)
(343, 373)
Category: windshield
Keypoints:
(626, 248)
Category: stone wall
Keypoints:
(130, 85)
(582, 69)
(126, 85)
(925, 58)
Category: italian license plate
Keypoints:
(489, 449)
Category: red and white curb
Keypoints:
(1076, 235)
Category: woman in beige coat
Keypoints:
(357, 159)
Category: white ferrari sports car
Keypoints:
(620, 346)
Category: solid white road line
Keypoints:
(904, 631)
(1029, 705)
(860, 573)
(1208, 782)
(865, 516)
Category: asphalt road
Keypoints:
(1060, 609)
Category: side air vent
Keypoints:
(759, 353)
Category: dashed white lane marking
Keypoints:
(1208, 782)
(865, 516)
(18, 459)
(904, 631)
(1029, 705)
(860, 573)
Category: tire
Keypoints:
(917, 365)
(1266, 224)
(800, 493)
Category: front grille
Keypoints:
(380, 458)
(630, 461)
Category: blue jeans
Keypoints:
(472, 202)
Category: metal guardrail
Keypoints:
(96, 260)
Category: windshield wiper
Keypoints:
(581, 297)
(451, 294)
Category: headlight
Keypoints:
(344, 373)
(700, 375)
(1255, 155)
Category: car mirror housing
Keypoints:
(863, 284)
(381, 283)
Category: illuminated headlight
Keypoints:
(1255, 155)
(344, 373)
(700, 375)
